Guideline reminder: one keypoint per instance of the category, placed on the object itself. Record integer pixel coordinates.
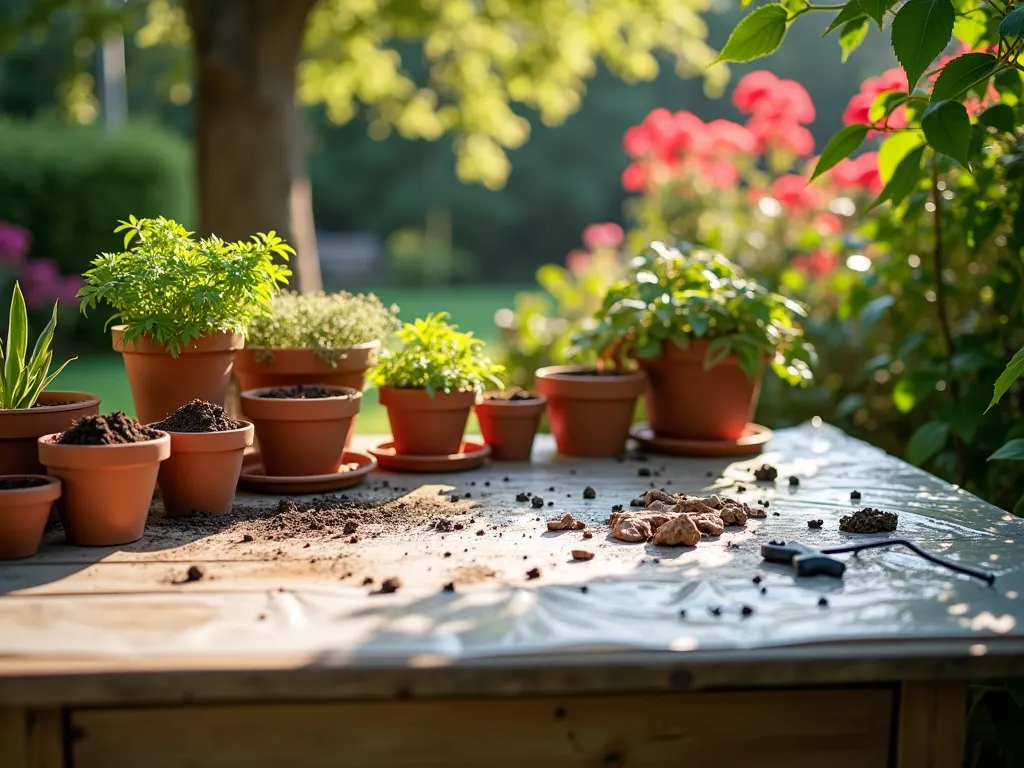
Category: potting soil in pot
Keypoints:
(110, 429)
(199, 416)
(514, 395)
(17, 483)
(301, 392)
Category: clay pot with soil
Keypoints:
(180, 326)
(590, 410)
(430, 385)
(21, 428)
(207, 449)
(108, 466)
(509, 422)
(704, 333)
(25, 502)
(301, 430)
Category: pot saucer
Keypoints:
(754, 436)
(356, 465)
(471, 455)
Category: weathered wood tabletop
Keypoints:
(289, 609)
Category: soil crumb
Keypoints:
(304, 392)
(766, 473)
(199, 416)
(679, 519)
(111, 429)
(869, 520)
(582, 554)
(533, 573)
(589, 493)
(514, 395)
(390, 586)
(815, 523)
(16, 483)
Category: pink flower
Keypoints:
(795, 194)
(819, 263)
(727, 137)
(14, 244)
(634, 178)
(41, 283)
(762, 93)
(857, 111)
(721, 173)
(70, 285)
(772, 132)
(577, 261)
(858, 173)
(638, 142)
(827, 224)
(607, 235)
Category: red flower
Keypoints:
(794, 193)
(780, 133)
(859, 173)
(727, 137)
(752, 89)
(762, 93)
(819, 263)
(857, 111)
(638, 142)
(634, 178)
(720, 173)
(607, 235)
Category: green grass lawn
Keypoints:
(473, 308)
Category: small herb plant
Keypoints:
(175, 289)
(325, 323)
(437, 357)
(21, 380)
(669, 295)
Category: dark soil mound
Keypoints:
(111, 429)
(869, 520)
(301, 392)
(14, 483)
(198, 416)
(513, 395)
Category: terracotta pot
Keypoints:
(590, 413)
(422, 425)
(509, 426)
(161, 384)
(258, 367)
(22, 427)
(202, 472)
(686, 402)
(300, 437)
(23, 515)
(107, 488)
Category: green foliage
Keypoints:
(759, 34)
(1014, 370)
(437, 357)
(22, 380)
(947, 128)
(921, 31)
(1011, 451)
(327, 323)
(174, 289)
(842, 145)
(681, 296)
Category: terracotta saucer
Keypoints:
(754, 436)
(470, 456)
(356, 465)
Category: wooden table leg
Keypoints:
(31, 738)
(932, 722)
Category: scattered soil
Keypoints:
(390, 586)
(15, 483)
(766, 473)
(533, 573)
(302, 392)
(194, 573)
(449, 587)
(589, 493)
(869, 520)
(566, 522)
(111, 429)
(678, 519)
(582, 554)
(198, 416)
(815, 523)
(53, 403)
(514, 395)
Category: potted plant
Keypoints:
(302, 430)
(704, 334)
(108, 466)
(25, 502)
(181, 308)
(429, 386)
(509, 421)
(26, 410)
(207, 449)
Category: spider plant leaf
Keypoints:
(17, 339)
(49, 379)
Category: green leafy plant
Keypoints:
(174, 288)
(683, 295)
(21, 380)
(437, 357)
(326, 323)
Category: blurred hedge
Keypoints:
(70, 185)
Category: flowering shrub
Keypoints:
(42, 284)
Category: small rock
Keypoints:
(854, 495)
(454, 498)
(815, 523)
(582, 554)
(522, 496)
(551, 503)
(246, 539)
(449, 587)
(823, 602)
(756, 579)
(194, 573)
(480, 532)
(588, 535)
(390, 586)
(589, 493)
(533, 573)
(794, 480)
(775, 514)
(447, 554)
(746, 610)
(764, 590)
(537, 502)
(584, 589)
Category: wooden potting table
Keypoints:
(281, 657)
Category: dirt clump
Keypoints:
(16, 483)
(199, 416)
(766, 473)
(302, 392)
(533, 573)
(589, 493)
(537, 502)
(869, 520)
(679, 531)
(513, 395)
(815, 523)
(663, 518)
(566, 522)
(110, 429)
(582, 554)
(390, 586)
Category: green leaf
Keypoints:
(839, 147)
(1014, 370)
(852, 36)
(894, 149)
(962, 74)
(904, 179)
(1000, 117)
(757, 35)
(17, 345)
(929, 439)
(1013, 23)
(876, 9)
(874, 309)
(920, 32)
(850, 12)
(948, 129)
(1012, 451)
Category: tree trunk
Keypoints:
(247, 129)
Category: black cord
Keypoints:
(988, 578)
